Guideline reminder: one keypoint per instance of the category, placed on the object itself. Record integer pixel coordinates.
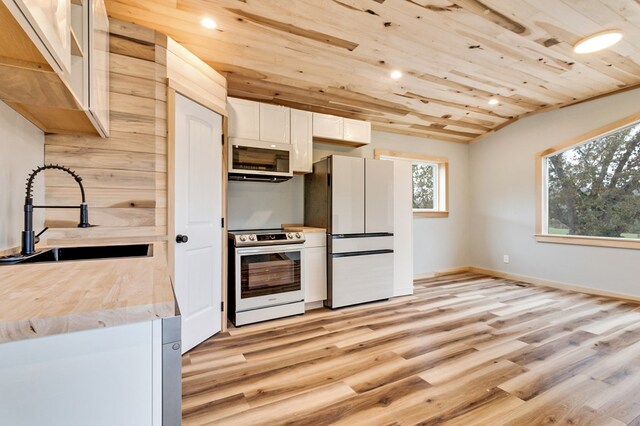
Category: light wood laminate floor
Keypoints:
(464, 349)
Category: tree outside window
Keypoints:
(425, 186)
(593, 189)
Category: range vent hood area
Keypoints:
(248, 177)
(259, 161)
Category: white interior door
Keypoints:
(198, 209)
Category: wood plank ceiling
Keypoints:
(335, 56)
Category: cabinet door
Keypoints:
(274, 123)
(51, 21)
(99, 65)
(301, 141)
(98, 377)
(379, 196)
(244, 119)
(315, 274)
(357, 131)
(327, 126)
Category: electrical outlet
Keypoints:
(505, 258)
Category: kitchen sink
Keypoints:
(61, 254)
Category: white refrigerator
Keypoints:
(353, 199)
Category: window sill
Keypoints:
(589, 241)
(431, 214)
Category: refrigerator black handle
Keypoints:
(362, 253)
(368, 235)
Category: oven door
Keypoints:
(268, 276)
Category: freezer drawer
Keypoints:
(364, 243)
(359, 278)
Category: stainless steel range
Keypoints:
(265, 275)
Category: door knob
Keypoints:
(181, 239)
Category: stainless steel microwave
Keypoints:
(251, 160)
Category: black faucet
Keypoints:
(29, 239)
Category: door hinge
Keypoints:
(222, 138)
(222, 306)
(222, 222)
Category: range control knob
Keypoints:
(297, 235)
(252, 237)
(289, 235)
(243, 238)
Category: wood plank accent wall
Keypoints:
(125, 175)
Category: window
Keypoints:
(591, 188)
(430, 182)
(425, 186)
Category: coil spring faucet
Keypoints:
(29, 239)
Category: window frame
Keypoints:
(542, 203)
(441, 198)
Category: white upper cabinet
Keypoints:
(274, 123)
(50, 22)
(301, 141)
(357, 131)
(89, 76)
(327, 126)
(99, 65)
(341, 131)
(244, 119)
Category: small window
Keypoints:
(430, 182)
(591, 188)
(425, 186)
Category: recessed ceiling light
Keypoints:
(493, 101)
(396, 74)
(208, 23)
(597, 42)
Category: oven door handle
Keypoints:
(264, 249)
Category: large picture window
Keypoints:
(430, 182)
(591, 188)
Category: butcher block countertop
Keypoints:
(44, 299)
(306, 229)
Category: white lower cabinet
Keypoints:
(95, 377)
(315, 267)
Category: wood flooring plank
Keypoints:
(465, 349)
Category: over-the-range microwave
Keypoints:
(259, 161)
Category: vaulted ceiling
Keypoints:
(335, 56)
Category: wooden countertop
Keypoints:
(52, 298)
(306, 229)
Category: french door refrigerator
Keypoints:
(353, 199)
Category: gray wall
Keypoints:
(439, 243)
(502, 192)
(21, 149)
(260, 205)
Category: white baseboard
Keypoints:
(456, 270)
(553, 284)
